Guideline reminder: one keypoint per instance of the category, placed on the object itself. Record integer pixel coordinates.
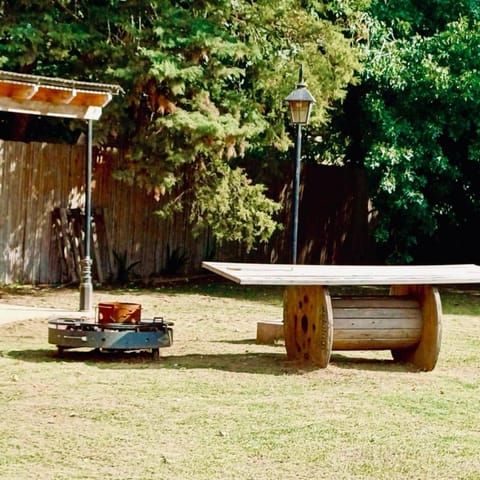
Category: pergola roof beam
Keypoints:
(57, 97)
(32, 107)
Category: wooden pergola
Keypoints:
(59, 97)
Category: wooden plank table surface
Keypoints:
(284, 274)
(408, 321)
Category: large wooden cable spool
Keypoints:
(407, 322)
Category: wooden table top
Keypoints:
(284, 274)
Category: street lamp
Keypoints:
(300, 102)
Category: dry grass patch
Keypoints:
(218, 406)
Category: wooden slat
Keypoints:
(379, 313)
(373, 334)
(377, 301)
(373, 343)
(16, 202)
(372, 321)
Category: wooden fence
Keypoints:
(41, 193)
(41, 224)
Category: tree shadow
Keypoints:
(265, 363)
(261, 363)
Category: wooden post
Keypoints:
(425, 354)
(268, 332)
(308, 324)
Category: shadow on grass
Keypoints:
(245, 341)
(372, 364)
(277, 363)
(260, 363)
(253, 362)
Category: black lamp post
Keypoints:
(86, 285)
(300, 103)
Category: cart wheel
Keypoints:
(60, 350)
(155, 353)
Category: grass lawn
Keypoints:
(218, 406)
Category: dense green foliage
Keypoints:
(417, 128)
(204, 82)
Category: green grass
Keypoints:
(218, 406)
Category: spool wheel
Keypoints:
(425, 354)
(308, 324)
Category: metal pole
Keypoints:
(86, 287)
(296, 190)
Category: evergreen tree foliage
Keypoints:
(205, 83)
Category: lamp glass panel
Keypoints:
(300, 111)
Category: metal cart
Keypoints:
(150, 335)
